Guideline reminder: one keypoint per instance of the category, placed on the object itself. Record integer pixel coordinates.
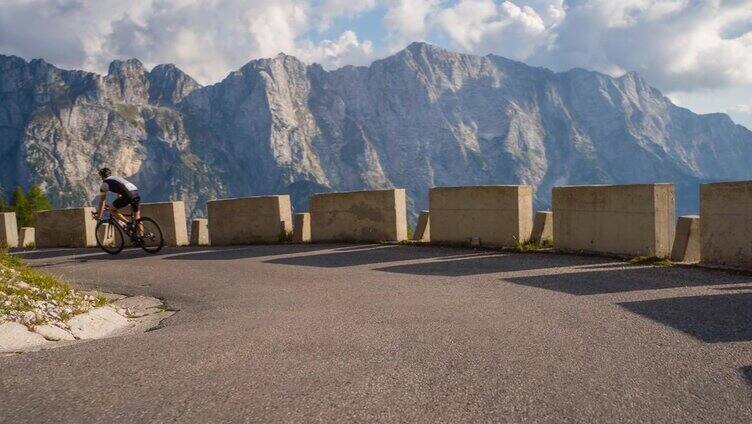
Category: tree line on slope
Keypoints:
(25, 204)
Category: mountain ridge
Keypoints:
(422, 117)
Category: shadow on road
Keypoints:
(487, 263)
(55, 253)
(747, 374)
(244, 252)
(711, 319)
(628, 278)
(376, 254)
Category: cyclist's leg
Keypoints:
(136, 208)
(118, 204)
(115, 213)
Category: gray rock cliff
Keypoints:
(420, 118)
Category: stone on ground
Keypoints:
(16, 337)
(53, 333)
(97, 323)
(139, 306)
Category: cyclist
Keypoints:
(127, 195)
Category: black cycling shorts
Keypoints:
(131, 198)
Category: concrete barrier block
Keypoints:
(543, 227)
(496, 215)
(634, 220)
(66, 228)
(248, 220)
(200, 232)
(726, 224)
(423, 229)
(171, 218)
(301, 228)
(8, 229)
(687, 239)
(26, 237)
(368, 216)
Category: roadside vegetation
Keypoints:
(532, 246)
(32, 298)
(25, 204)
(285, 236)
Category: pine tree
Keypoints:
(4, 206)
(20, 204)
(36, 201)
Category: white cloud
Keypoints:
(407, 20)
(678, 45)
(346, 50)
(207, 39)
(506, 28)
(675, 44)
(208, 42)
(331, 9)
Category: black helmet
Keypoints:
(105, 172)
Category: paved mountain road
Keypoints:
(396, 333)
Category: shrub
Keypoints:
(285, 236)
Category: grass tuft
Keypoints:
(285, 236)
(24, 290)
(531, 246)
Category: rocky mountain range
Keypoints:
(423, 117)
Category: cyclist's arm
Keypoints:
(102, 197)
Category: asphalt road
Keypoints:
(396, 333)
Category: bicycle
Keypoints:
(110, 233)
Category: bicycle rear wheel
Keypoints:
(110, 237)
(151, 239)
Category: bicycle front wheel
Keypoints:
(150, 238)
(110, 237)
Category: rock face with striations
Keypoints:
(420, 118)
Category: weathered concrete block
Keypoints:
(8, 229)
(423, 229)
(370, 216)
(496, 215)
(687, 239)
(633, 220)
(171, 218)
(200, 232)
(26, 237)
(248, 220)
(726, 224)
(66, 228)
(301, 229)
(543, 227)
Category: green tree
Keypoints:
(36, 201)
(4, 206)
(20, 205)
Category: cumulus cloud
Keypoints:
(678, 45)
(407, 20)
(331, 9)
(207, 39)
(505, 28)
(331, 54)
(206, 42)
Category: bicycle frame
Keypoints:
(124, 225)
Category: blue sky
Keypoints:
(698, 52)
